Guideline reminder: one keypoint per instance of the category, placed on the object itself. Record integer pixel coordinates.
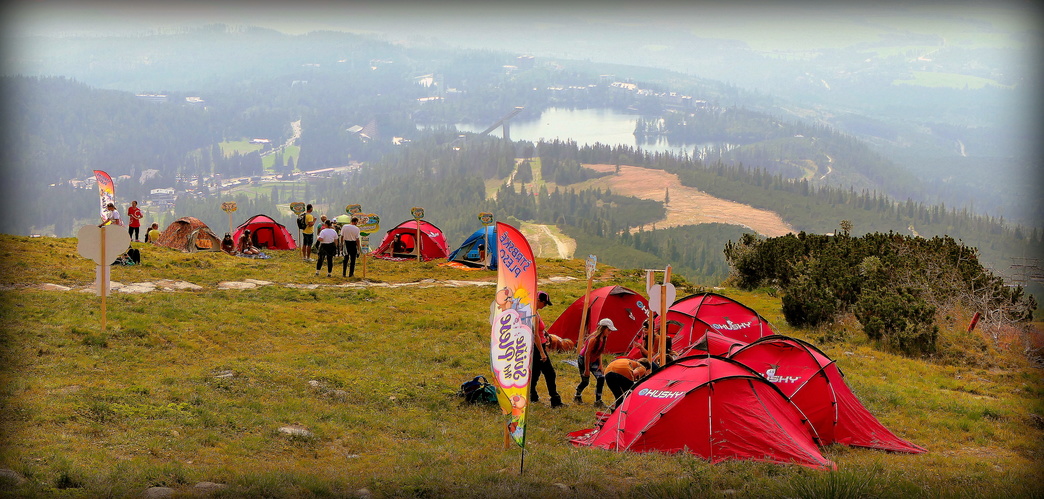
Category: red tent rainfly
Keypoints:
(432, 244)
(711, 343)
(266, 233)
(625, 307)
(814, 383)
(712, 407)
(727, 316)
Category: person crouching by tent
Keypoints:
(245, 247)
(590, 362)
(621, 374)
(227, 244)
(153, 234)
(542, 362)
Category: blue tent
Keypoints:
(469, 252)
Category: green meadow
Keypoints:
(184, 387)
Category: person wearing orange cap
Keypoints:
(590, 362)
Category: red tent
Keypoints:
(712, 343)
(684, 330)
(626, 308)
(712, 407)
(727, 316)
(814, 383)
(432, 242)
(266, 233)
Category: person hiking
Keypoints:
(350, 239)
(327, 248)
(307, 234)
(590, 362)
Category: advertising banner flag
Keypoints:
(106, 190)
(513, 316)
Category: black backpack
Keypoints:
(478, 391)
(301, 222)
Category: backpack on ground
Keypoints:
(478, 391)
(301, 222)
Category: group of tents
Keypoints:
(737, 390)
(191, 234)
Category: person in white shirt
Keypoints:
(350, 241)
(112, 216)
(327, 248)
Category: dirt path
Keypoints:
(688, 206)
(547, 244)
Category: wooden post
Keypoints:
(650, 332)
(418, 245)
(103, 277)
(587, 303)
(663, 316)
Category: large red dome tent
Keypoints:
(432, 242)
(266, 233)
(626, 308)
(727, 316)
(814, 383)
(712, 407)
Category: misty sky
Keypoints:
(787, 25)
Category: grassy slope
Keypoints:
(148, 402)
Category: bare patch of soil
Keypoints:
(687, 206)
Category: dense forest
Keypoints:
(811, 173)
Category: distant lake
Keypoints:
(585, 127)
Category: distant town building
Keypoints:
(260, 141)
(158, 98)
(525, 61)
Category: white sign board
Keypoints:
(117, 240)
(654, 296)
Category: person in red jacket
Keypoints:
(134, 215)
(590, 362)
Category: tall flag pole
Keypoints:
(511, 339)
(106, 190)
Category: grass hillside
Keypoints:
(321, 387)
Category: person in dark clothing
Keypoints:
(542, 364)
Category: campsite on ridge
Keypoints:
(834, 206)
(306, 397)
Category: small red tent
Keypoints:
(727, 316)
(266, 233)
(432, 242)
(684, 330)
(626, 308)
(814, 383)
(712, 343)
(712, 407)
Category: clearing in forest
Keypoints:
(687, 206)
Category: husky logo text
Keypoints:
(732, 326)
(771, 376)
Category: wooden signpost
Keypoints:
(229, 208)
(589, 270)
(368, 224)
(487, 219)
(102, 245)
(418, 214)
(660, 295)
